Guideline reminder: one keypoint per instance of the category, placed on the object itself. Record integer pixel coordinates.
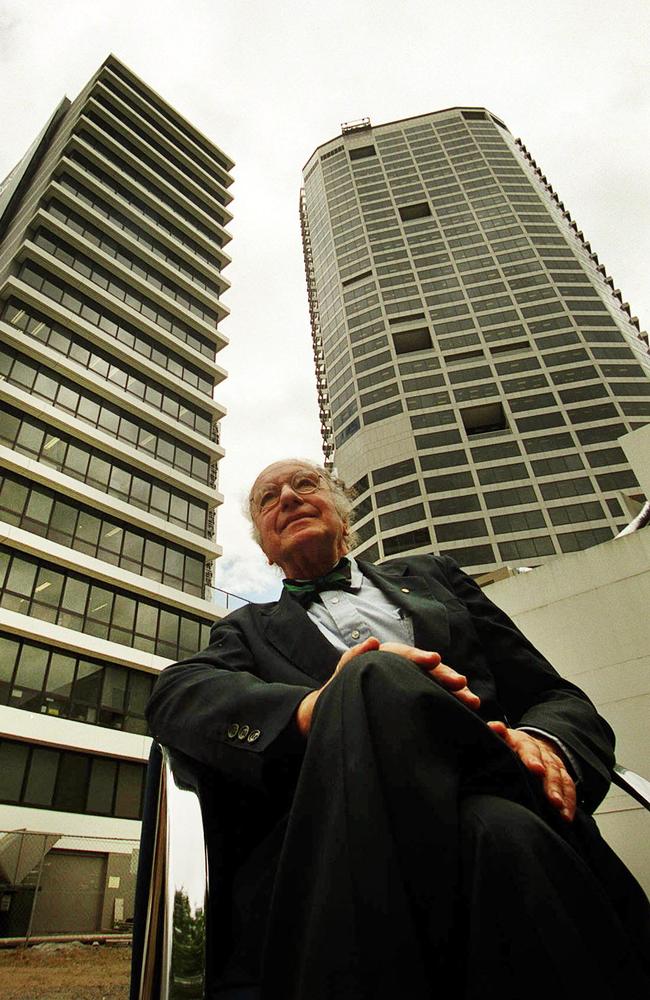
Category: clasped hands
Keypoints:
(539, 755)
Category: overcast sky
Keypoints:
(269, 81)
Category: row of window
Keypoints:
(130, 380)
(113, 325)
(39, 510)
(46, 681)
(120, 221)
(120, 163)
(160, 221)
(92, 234)
(153, 141)
(30, 436)
(123, 291)
(69, 781)
(37, 588)
(117, 134)
(178, 124)
(18, 369)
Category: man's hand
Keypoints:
(306, 706)
(541, 757)
(430, 663)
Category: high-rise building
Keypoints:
(112, 236)
(475, 363)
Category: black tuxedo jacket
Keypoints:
(232, 706)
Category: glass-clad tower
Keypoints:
(475, 364)
(112, 236)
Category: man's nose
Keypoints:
(288, 495)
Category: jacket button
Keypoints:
(232, 731)
(254, 735)
(405, 590)
(243, 732)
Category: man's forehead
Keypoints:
(281, 470)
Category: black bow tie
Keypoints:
(305, 591)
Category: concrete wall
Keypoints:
(588, 613)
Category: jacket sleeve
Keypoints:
(531, 691)
(213, 708)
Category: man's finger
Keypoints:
(541, 758)
(425, 657)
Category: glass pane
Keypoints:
(129, 791)
(4, 563)
(9, 428)
(87, 532)
(101, 786)
(32, 667)
(74, 595)
(60, 675)
(114, 688)
(49, 585)
(39, 507)
(190, 638)
(146, 619)
(13, 760)
(8, 651)
(98, 472)
(111, 537)
(13, 496)
(42, 777)
(124, 612)
(100, 603)
(154, 555)
(140, 686)
(72, 783)
(88, 683)
(77, 460)
(21, 577)
(63, 520)
(30, 439)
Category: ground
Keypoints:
(65, 972)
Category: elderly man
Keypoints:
(409, 780)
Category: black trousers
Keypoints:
(421, 860)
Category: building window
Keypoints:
(484, 419)
(470, 555)
(69, 781)
(362, 152)
(409, 341)
(418, 211)
(406, 541)
(36, 587)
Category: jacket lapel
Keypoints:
(290, 631)
(421, 597)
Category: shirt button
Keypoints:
(232, 731)
(335, 600)
(243, 732)
(254, 735)
(356, 633)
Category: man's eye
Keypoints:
(266, 498)
(305, 483)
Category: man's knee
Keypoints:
(389, 681)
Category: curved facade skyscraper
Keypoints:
(475, 363)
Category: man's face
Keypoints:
(302, 533)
